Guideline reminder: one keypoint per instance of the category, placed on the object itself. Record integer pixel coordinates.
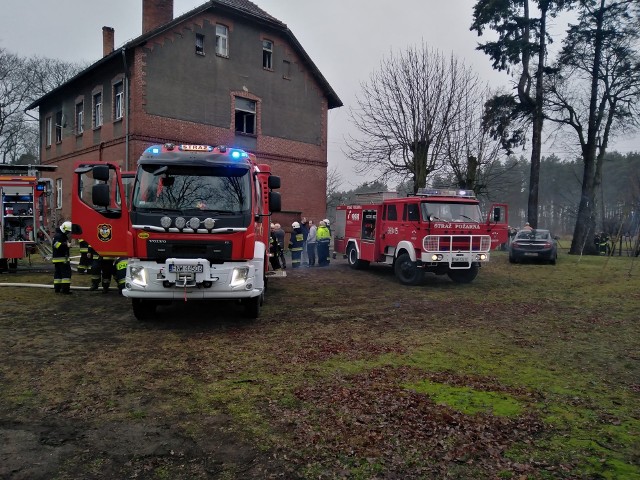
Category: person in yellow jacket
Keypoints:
(323, 239)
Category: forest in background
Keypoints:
(618, 209)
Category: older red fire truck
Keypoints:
(197, 226)
(24, 199)
(438, 231)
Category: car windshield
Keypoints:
(451, 212)
(534, 235)
(217, 190)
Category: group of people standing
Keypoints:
(308, 244)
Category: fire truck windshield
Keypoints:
(450, 212)
(219, 190)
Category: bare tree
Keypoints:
(406, 114)
(595, 91)
(14, 95)
(23, 80)
(471, 149)
(334, 181)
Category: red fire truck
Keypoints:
(24, 206)
(197, 226)
(438, 231)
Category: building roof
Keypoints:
(242, 8)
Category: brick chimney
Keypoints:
(107, 40)
(156, 13)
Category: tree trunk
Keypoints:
(586, 222)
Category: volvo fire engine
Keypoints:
(197, 226)
(24, 206)
(438, 231)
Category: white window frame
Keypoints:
(97, 109)
(267, 54)
(222, 40)
(253, 113)
(79, 117)
(59, 125)
(199, 44)
(48, 131)
(118, 100)
(58, 193)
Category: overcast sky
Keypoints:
(346, 39)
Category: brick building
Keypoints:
(224, 73)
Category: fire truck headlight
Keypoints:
(481, 256)
(436, 257)
(239, 276)
(138, 276)
(180, 222)
(194, 223)
(209, 223)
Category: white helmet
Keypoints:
(295, 225)
(65, 227)
(327, 222)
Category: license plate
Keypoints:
(173, 268)
(530, 254)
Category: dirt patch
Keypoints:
(317, 386)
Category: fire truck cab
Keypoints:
(438, 231)
(196, 225)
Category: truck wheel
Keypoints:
(353, 261)
(407, 271)
(252, 306)
(143, 309)
(464, 276)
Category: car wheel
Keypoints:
(354, 261)
(553, 260)
(407, 270)
(252, 306)
(464, 276)
(143, 309)
(512, 259)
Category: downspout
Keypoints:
(126, 106)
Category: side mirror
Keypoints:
(101, 172)
(497, 214)
(274, 182)
(275, 203)
(100, 195)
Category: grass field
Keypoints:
(530, 372)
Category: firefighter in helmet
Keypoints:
(60, 259)
(296, 243)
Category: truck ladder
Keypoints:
(44, 244)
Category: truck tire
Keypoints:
(143, 309)
(354, 261)
(464, 276)
(252, 306)
(407, 270)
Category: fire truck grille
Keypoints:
(454, 243)
(215, 252)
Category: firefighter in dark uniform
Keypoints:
(101, 272)
(84, 265)
(296, 243)
(120, 272)
(274, 250)
(60, 259)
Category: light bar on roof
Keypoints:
(442, 192)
